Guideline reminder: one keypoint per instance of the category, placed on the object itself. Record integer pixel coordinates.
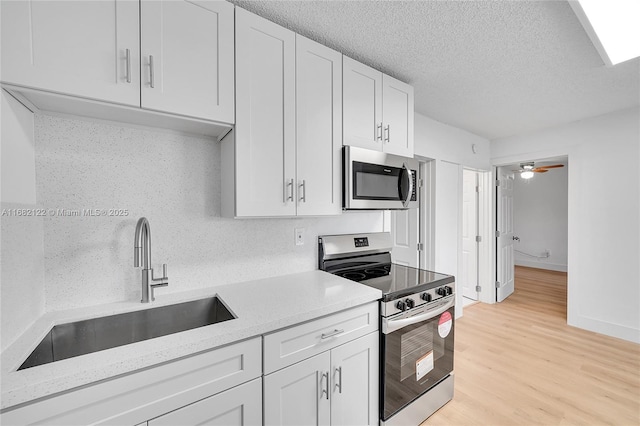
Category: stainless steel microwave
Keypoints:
(375, 180)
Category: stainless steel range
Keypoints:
(416, 324)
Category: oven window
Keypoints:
(415, 358)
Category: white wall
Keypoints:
(173, 180)
(540, 219)
(451, 149)
(603, 215)
(21, 235)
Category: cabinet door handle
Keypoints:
(339, 382)
(324, 388)
(388, 133)
(331, 334)
(128, 64)
(303, 191)
(152, 80)
(288, 188)
(379, 132)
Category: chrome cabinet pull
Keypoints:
(152, 80)
(379, 132)
(325, 388)
(388, 133)
(288, 185)
(331, 334)
(128, 64)
(339, 382)
(303, 191)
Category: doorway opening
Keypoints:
(531, 219)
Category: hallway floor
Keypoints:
(519, 363)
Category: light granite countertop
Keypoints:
(261, 306)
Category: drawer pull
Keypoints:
(331, 334)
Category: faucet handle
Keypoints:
(164, 271)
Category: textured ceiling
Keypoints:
(493, 68)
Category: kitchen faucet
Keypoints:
(142, 257)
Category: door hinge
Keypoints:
(497, 182)
(477, 189)
(420, 183)
(497, 234)
(498, 285)
(478, 289)
(420, 246)
(478, 239)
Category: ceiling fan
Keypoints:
(527, 170)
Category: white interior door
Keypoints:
(504, 238)
(469, 276)
(404, 235)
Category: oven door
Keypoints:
(417, 353)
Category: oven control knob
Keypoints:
(401, 305)
(410, 303)
(448, 290)
(441, 291)
(426, 297)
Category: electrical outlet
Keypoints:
(299, 235)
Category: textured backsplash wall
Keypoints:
(173, 180)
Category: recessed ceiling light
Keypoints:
(612, 26)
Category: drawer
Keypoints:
(285, 347)
(142, 395)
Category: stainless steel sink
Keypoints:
(92, 335)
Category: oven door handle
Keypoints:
(391, 325)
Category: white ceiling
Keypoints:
(493, 68)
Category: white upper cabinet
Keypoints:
(88, 49)
(318, 128)
(397, 113)
(362, 100)
(378, 110)
(265, 118)
(187, 58)
(101, 50)
(284, 156)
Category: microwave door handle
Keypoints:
(406, 172)
(389, 326)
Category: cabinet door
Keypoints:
(265, 117)
(397, 113)
(239, 406)
(354, 389)
(187, 58)
(362, 103)
(84, 48)
(299, 395)
(319, 128)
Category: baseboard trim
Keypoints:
(541, 265)
(610, 329)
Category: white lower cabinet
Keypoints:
(336, 387)
(240, 406)
(297, 395)
(183, 390)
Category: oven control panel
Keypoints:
(361, 242)
(416, 300)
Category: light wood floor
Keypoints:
(519, 363)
